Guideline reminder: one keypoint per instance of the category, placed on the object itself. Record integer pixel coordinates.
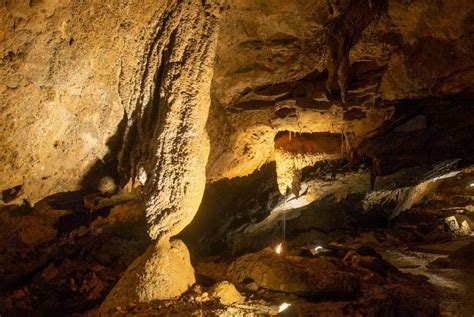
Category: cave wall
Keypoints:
(149, 95)
(68, 73)
(410, 50)
(71, 72)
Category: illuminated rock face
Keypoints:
(68, 71)
(165, 138)
(138, 102)
(162, 272)
(94, 88)
(147, 100)
(354, 108)
(410, 51)
(292, 154)
(291, 275)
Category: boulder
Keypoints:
(370, 263)
(226, 293)
(320, 277)
(164, 271)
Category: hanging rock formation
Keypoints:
(166, 144)
(123, 120)
(166, 147)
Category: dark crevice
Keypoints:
(10, 194)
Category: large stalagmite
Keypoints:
(132, 130)
(166, 146)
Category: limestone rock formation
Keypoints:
(295, 275)
(283, 87)
(270, 120)
(153, 94)
(164, 271)
(165, 138)
(360, 280)
(286, 44)
(63, 69)
(277, 85)
(226, 293)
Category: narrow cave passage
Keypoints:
(237, 158)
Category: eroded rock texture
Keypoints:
(162, 272)
(66, 73)
(166, 144)
(306, 117)
(362, 284)
(408, 51)
(146, 91)
(159, 75)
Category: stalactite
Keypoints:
(166, 138)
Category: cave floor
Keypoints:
(455, 285)
(68, 268)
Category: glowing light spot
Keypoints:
(471, 185)
(278, 249)
(318, 249)
(283, 307)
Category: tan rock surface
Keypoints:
(226, 293)
(294, 274)
(413, 49)
(74, 71)
(166, 143)
(163, 272)
(63, 68)
(149, 94)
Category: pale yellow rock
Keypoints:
(65, 88)
(226, 293)
(164, 271)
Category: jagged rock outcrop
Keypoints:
(144, 82)
(248, 213)
(327, 114)
(161, 91)
(161, 99)
(409, 50)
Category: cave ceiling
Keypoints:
(272, 64)
(149, 127)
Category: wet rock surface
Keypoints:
(247, 213)
(295, 274)
(352, 274)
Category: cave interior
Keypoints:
(237, 158)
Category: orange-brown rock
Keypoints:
(295, 274)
